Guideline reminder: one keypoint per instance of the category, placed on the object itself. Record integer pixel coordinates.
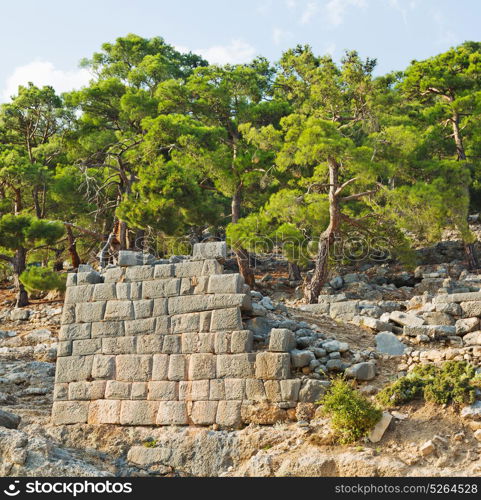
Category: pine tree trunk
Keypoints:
(19, 265)
(294, 272)
(122, 237)
(473, 262)
(72, 248)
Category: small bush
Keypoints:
(352, 415)
(43, 279)
(150, 444)
(452, 382)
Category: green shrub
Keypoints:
(43, 279)
(452, 382)
(352, 415)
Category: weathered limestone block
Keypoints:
(113, 275)
(347, 309)
(188, 304)
(432, 331)
(202, 366)
(188, 269)
(312, 391)
(117, 390)
(108, 329)
(105, 291)
(290, 389)
(71, 279)
(139, 273)
(87, 312)
(64, 348)
(161, 288)
(120, 345)
(255, 390)
(197, 390)
(210, 250)
(143, 308)
(133, 368)
(457, 297)
(177, 367)
(104, 412)
(273, 391)
(76, 294)
(185, 323)
(86, 347)
(122, 291)
(160, 307)
(172, 344)
(119, 309)
(86, 391)
(406, 319)
(225, 283)
(139, 390)
(88, 278)
(206, 343)
(128, 258)
(73, 369)
(60, 392)
(226, 300)
(204, 412)
(226, 320)
(163, 271)
(222, 342)
(236, 365)
(68, 314)
(150, 344)
(241, 341)
(272, 366)
(163, 391)
(70, 412)
(187, 286)
(467, 325)
(160, 367)
(198, 343)
(145, 326)
(103, 367)
(262, 414)
(172, 413)
(471, 309)
(281, 340)
(200, 283)
(75, 332)
(139, 412)
(204, 321)
(235, 389)
(216, 390)
(212, 266)
(162, 325)
(136, 290)
(229, 414)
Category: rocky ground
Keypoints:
(373, 323)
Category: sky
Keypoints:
(43, 42)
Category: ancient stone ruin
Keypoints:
(164, 344)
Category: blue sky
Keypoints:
(44, 41)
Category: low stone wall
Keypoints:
(164, 344)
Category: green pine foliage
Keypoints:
(42, 279)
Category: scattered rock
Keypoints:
(9, 420)
(380, 428)
(388, 343)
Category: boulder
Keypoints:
(362, 371)
(300, 359)
(388, 343)
(9, 420)
(406, 319)
(380, 428)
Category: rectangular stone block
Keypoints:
(212, 266)
(160, 307)
(133, 368)
(172, 413)
(129, 258)
(177, 367)
(197, 390)
(105, 291)
(160, 367)
(73, 369)
(406, 319)
(229, 414)
(226, 320)
(273, 391)
(347, 309)
(290, 389)
(160, 288)
(282, 340)
(139, 390)
(60, 392)
(86, 391)
(139, 412)
(117, 390)
(120, 345)
(150, 344)
(88, 312)
(190, 343)
(235, 389)
(103, 367)
(204, 321)
(104, 412)
(222, 343)
(64, 348)
(471, 309)
(204, 412)
(136, 290)
(272, 366)
(140, 327)
(241, 341)
(210, 250)
(113, 274)
(76, 294)
(71, 279)
(185, 323)
(163, 391)
(143, 308)
(123, 291)
(201, 284)
(457, 298)
(75, 332)
(172, 344)
(235, 365)
(164, 271)
(119, 309)
(88, 278)
(225, 283)
(202, 366)
(206, 342)
(226, 300)
(162, 325)
(70, 412)
(216, 390)
(86, 347)
(68, 314)
(188, 269)
(139, 273)
(188, 304)
(255, 390)
(187, 286)
(108, 329)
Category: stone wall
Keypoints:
(164, 344)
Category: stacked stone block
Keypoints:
(165, 345)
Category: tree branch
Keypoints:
(358, 195)
(343, 186)
(6, 258)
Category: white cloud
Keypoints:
(279, 36)
(44, 73)
(236, 52)
(336, 9)
(291, 4)
(310, 11)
